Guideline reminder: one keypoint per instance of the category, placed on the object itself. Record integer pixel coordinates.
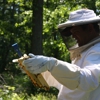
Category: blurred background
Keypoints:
(33, 25)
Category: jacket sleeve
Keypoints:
(67, 74)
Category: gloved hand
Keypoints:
(37, 63)
(63, 72)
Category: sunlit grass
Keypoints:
(8, 94)
(21, 88)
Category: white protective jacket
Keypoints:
(81, 78)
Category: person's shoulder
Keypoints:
(93, 54)
(93, 50)
(96, 46)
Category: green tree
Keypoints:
(22, 21)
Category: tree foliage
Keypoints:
(16, 23)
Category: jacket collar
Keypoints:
(76, 53)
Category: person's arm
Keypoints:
(69, 75)
(65, 73)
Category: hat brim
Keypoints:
(79, 22)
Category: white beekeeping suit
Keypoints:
(89, 76)
(79, 80)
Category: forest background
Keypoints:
(33, 25)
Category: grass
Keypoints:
(7, 95)
(19, 87)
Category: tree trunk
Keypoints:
(37, 27)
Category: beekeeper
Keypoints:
(80, 79)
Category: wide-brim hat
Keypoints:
(80, 17)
